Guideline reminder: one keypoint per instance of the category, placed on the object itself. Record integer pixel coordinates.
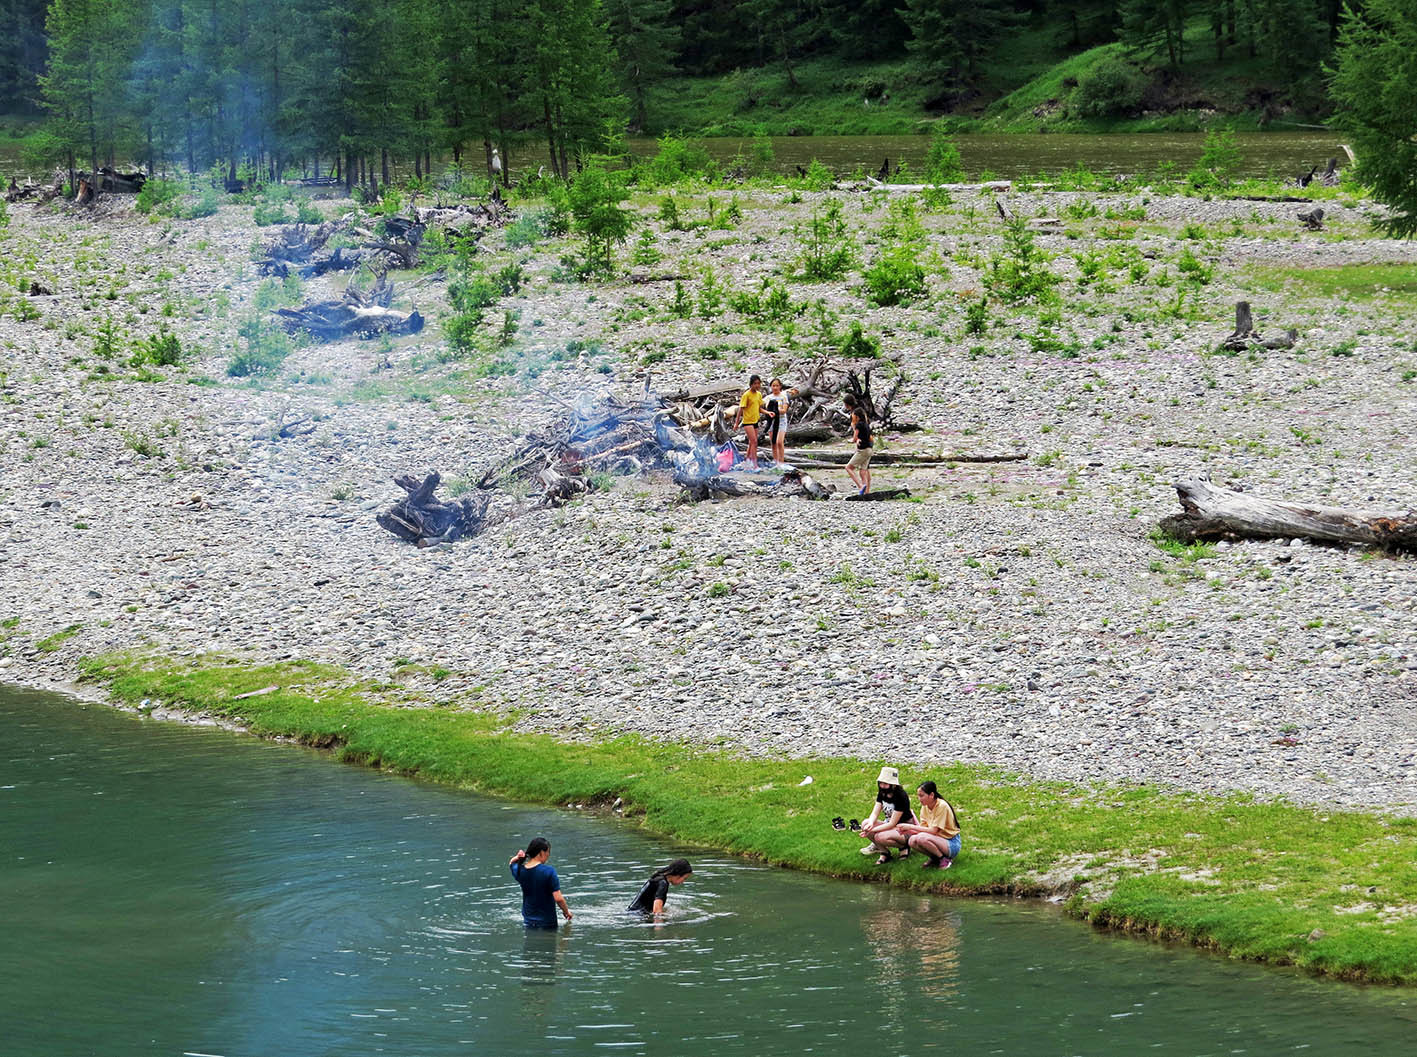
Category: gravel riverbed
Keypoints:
(1015, 614)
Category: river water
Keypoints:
(1015, 155)
(1003, 155)
(178, 890)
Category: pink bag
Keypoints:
(725, 458)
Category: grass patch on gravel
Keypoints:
(1356, 282)
(1333, 892)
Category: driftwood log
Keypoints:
(425, 521)
(356, 314)
(813, 460)
(1211, 512)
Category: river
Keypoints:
(1014, 155)
(1003, 155)
(171, 890)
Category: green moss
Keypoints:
(1332, 892)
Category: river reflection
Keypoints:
(915, 947)
(168, 890)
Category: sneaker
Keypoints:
(870, 849)
(931, 863)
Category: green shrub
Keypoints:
(761, 158)
(508, 278)
(857, 344)
(1219, 161)
(943, 165)
(1020, 274)
(306, 212)
(265, 351)
(536, 224)
(158, 196)
(1112, 86)
(204, 205)
(818, 178)
(158, 350)
(976, 317)
(828, 250)
(669, 214)
(270, 207)
(676, 161)
(895, 278)
(646, 253)
(598, 216)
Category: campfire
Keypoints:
(684, 435)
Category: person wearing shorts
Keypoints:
(936, 829)
(750, 409)
(776, 408)
(859, 466)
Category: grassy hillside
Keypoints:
(1031, 84)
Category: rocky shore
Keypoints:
(1016, 614)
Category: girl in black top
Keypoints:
(893, 802)
(656, 890)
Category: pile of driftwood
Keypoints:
(686, 434)
(1210, 512)
(356, 314)
(30, 190)
(394, 242)
(815, 410)
(425, 521)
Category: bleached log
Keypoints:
(1212, 512)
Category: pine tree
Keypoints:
(947, 37)
(1374, 83)
(1148, 26)
(645, 41)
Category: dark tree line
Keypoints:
(342, 88)
(355, 87)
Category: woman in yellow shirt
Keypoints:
(936, 832)
(750, 409)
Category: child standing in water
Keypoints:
(653, 895)
(541, 888)
(750, 409)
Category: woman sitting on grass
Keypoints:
(937, 834)
(656, 890)
(885, 834)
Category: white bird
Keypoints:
(496, 162)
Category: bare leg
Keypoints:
(866, 479)
(887, 839)
(931, 844)
(752, 433)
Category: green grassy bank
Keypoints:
(1035, 82)
(1335, 893)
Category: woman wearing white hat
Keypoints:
(894, 801)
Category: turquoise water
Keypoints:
(179, 890)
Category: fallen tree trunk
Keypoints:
(820, 459)
(1211, 512)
